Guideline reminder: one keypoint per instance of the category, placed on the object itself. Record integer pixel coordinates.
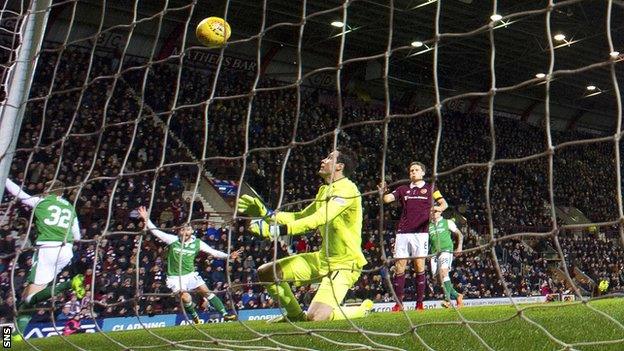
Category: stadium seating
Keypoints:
(518, 191)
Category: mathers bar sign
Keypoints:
(205, 57)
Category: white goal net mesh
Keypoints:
(516, 117)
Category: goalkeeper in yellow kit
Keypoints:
(336, 214)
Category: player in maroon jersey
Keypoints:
(412, 239)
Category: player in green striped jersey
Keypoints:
(441, 246)
(57, 229)
(182, 277)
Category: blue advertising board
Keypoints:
(131, 323)
(43, 330)
(227, 188)
(259, 314)
(204, 317)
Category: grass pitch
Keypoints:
(576, 325)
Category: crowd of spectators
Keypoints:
(597, 257)
(108, 143)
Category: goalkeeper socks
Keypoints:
(190, 309)
(347, 313)
(352, 311)
(216, 303)
(399, 286)
(285, 296)
(420, 286)
(46, 293)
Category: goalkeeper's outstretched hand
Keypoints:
(263, 229)
(252, 207)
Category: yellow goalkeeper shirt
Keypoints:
(337, 214)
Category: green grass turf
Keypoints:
(500, 327)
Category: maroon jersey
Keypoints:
(416, 203)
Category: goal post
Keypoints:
(19, 79)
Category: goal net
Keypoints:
(513, 108)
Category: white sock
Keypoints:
(28, 298)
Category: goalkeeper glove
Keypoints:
(253, 207)
(265, 230)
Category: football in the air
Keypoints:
(213, 31)
(603, 285)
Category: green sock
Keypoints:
(454, 293)
(190, 309)
(449, 291)
(46, 293)
(23, 318)
(216, 303)
(286, 298)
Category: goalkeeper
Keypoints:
(336, 213)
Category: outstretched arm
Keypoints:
(212, 252)
(164, 237)
(285, 217)
(76, 230)
(254, 207)
(290, 224)
(329, 210)
(14, 189)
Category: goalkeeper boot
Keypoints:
(460, 300)
(230, 317)
(446, 304)
(283, 318)
(397, 307)
(420, 306)
(77, 286)
(196, 319)
(18, 338)
(367, 305)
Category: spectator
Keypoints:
(65, 313)
(73, 326)
(248, 297)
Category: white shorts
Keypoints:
(49, 261)
(444, 260)
(185, 282)
(411, 245)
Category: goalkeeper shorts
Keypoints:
(307, 268)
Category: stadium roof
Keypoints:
(519, 39)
